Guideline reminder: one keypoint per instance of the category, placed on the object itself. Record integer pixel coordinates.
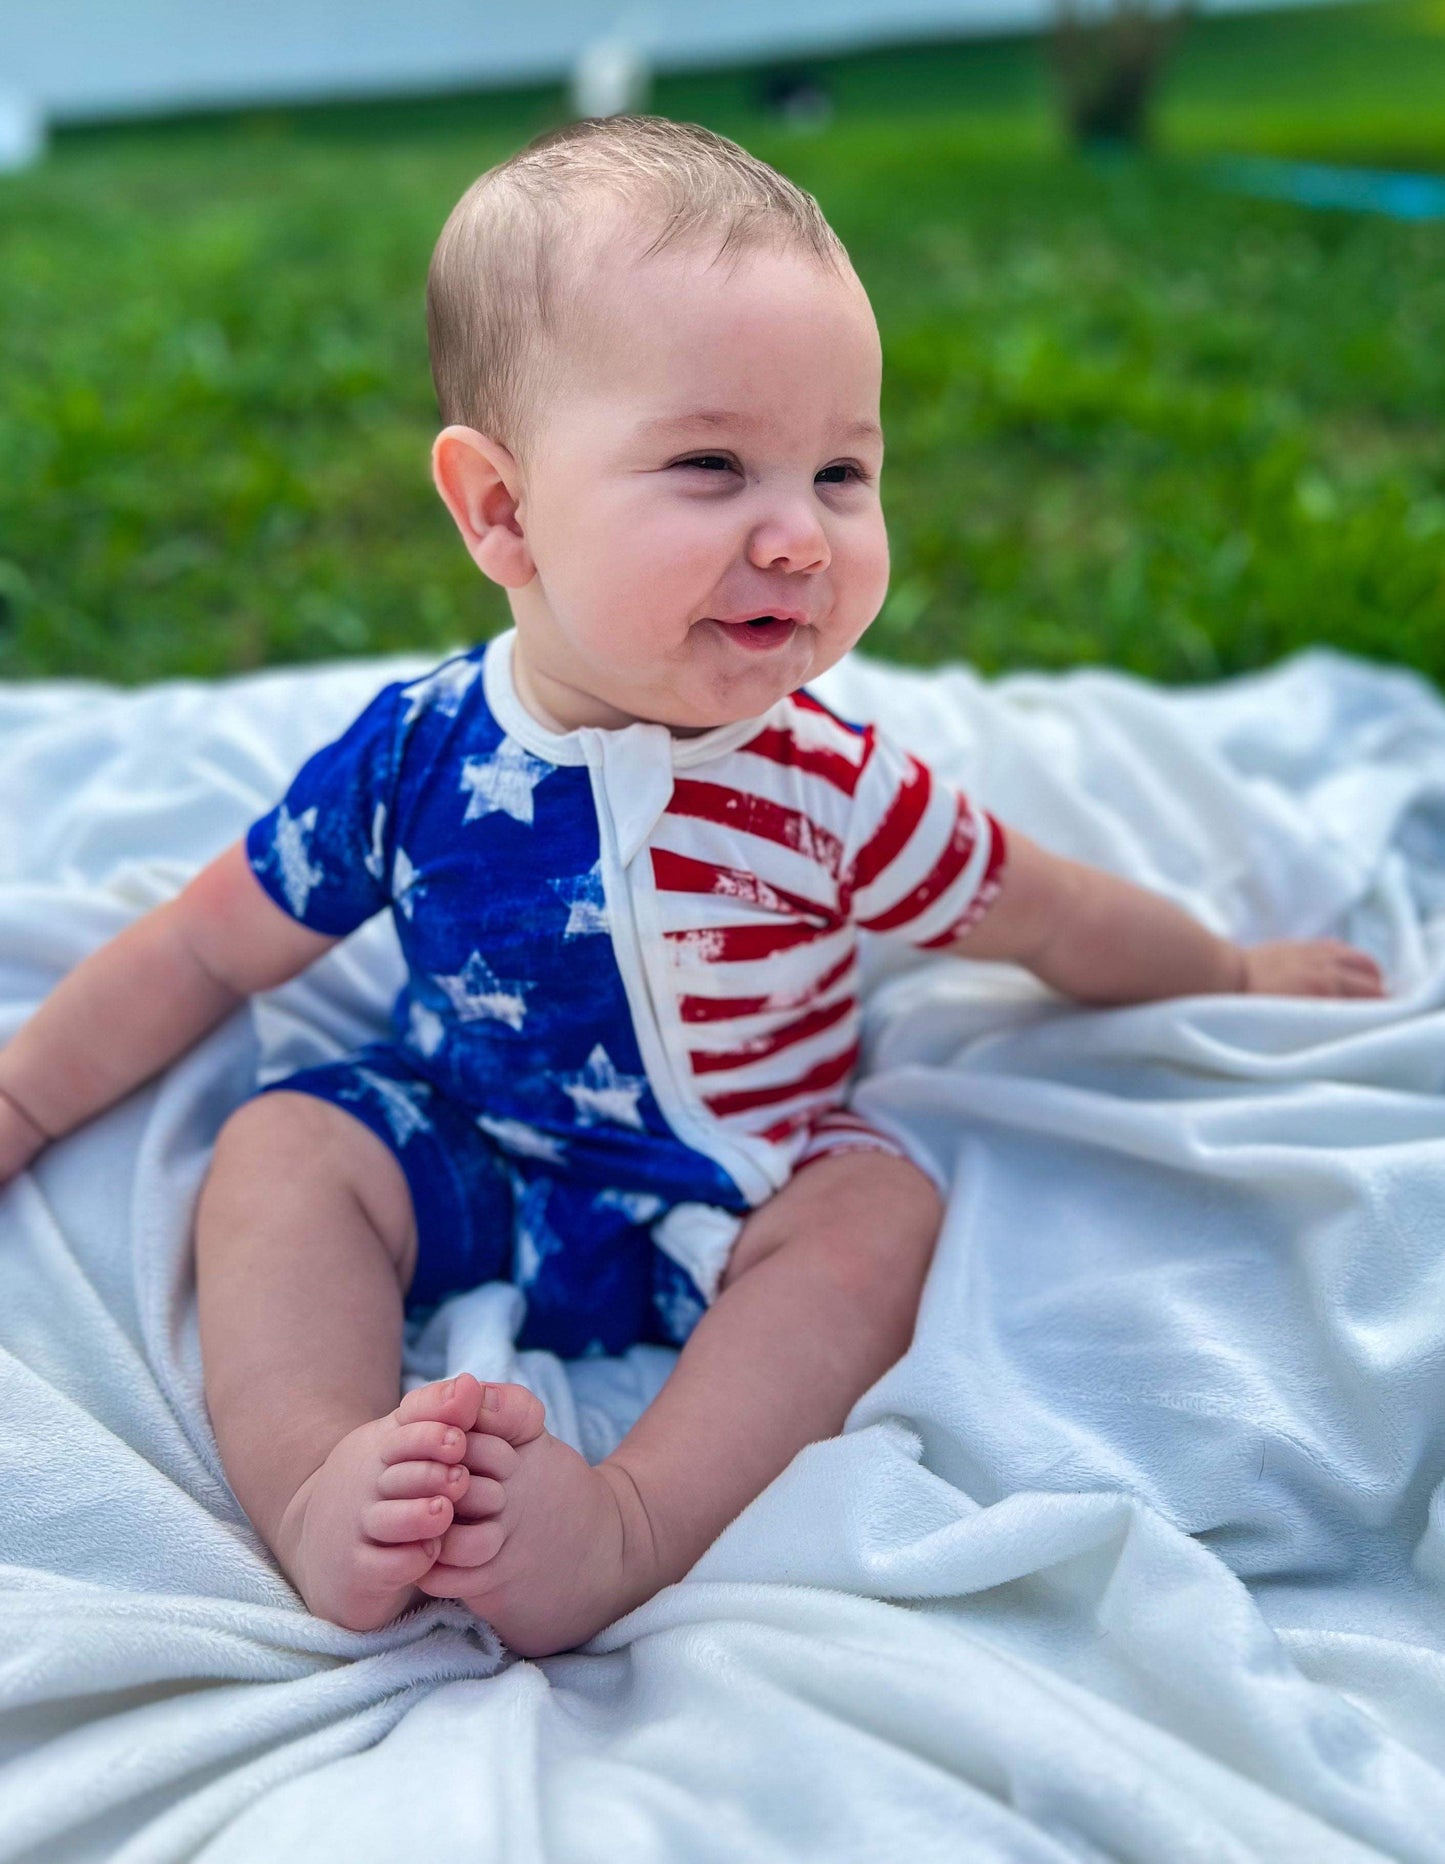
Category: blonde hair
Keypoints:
(506, 292)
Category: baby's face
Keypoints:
(716, 457)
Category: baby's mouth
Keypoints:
(766, 632)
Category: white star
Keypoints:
(503, 781)
(298, 876)
(398, 1103)
(425, 1029)
(585, 901)
(404, 890)
(601, 1093)
(535, 1237)
(636, 1206)
(478, 995)
(376, 860)
(442, 690)
(523, 1141)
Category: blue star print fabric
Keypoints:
(512, 1090)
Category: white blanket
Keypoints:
(1138, 1554)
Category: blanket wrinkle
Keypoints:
(1139, 1552)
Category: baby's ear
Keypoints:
(479, 482)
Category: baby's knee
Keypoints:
(282, 1147)
(278, 1130)
(288, 1165)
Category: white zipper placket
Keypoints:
(623, 897)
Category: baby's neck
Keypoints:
(560, 708)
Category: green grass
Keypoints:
(1131, 418)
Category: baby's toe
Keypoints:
(390, 1522)
(465, 1547)
(404, 1481)
(472, 1543)
(427, 1441)
(510, 1412)
(490, 1456)
(406, 1564)
(483, 1499)
(451, 1401)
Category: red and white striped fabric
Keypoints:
(765, 864)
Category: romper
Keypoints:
(631, 1007)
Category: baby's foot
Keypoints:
(544, 1547)
(364, 1527)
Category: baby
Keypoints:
(627, 856)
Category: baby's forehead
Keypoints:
(673, 293)
(634, 248)
(631, 318)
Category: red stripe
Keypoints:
(723, 1009)
(949, 866)
(757, 815)
(738, 944)
(710, 1061)
(810, 703)
(988, 891)
(680, 873)
(784, 1128)
(904, 814)
(781, 747)
(826, 1074)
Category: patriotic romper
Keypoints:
(631, 1009)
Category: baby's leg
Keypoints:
(819, 1299)
(305, 1246)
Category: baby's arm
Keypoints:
(1101, 940)
(142, 999)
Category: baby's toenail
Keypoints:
(491, 1398)
(454, 1440)
(449, 1389)
(436, 1504)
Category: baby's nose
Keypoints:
(793, 540)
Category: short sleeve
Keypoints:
(321, 853)
(922, 863)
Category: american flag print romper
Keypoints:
(631, 1006)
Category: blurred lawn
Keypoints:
(1131, 418)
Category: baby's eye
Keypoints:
(705, 462)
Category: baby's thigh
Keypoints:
(290, 1164)
(859, 1206)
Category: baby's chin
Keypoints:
(733, 673)
(714, 680)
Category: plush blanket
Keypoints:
(1138, 1554)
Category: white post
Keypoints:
(22, 131)
(613, 75)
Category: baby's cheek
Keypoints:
(874, 570)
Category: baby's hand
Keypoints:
(1312, 967)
